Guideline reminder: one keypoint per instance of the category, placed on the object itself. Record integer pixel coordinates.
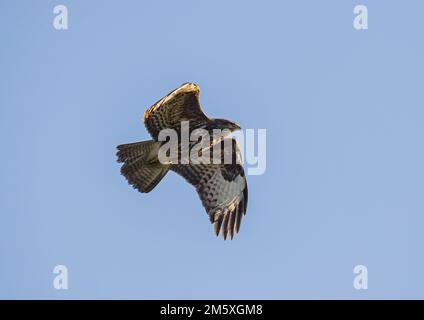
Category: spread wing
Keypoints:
(222, 189)
(182, 104)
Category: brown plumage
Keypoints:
(222, 188)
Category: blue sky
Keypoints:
(343, 110)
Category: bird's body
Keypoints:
(222, 186)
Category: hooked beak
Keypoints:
(236, 126)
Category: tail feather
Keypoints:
(141, 167)
(137, 151)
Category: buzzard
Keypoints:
(222, 187)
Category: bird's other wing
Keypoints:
(182, 104)
(223, 191)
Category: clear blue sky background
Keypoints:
(344, 116)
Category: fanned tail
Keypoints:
(141, 166)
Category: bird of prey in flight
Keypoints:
(222, 186)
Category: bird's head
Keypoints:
(225, 124)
